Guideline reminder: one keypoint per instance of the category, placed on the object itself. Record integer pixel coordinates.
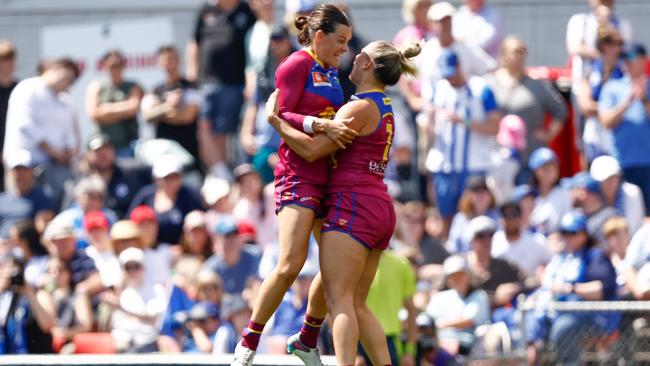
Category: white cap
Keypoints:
(439, 11)
(454, 264)
(604, 167)
(131, 255)
(59, 228)
(214, 189)
(194, 219)
(166, 165)
(20, 157)
(478, 225)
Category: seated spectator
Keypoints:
(623, 108)
(137, 307)
(582, 272)
(625, 197)
(256, 204)
(428, 349)
(501, 280)
(202, 324)
(209, 287)
(597, 139)
(235, 314)
(216, 195)
(90, 193)
(157, 256)
(27, 316)
(590, 201)
(23, 198)
(617, 235)
(636, 257)
(513, 243)
(122, 180)
(290, 315)
(477, 200)
(419, 229)
(196, 239)
(506, 161)
(170, 199)
(23, 235)
(458, 310)
(552, 201)
(100, 248)
(525, 196)
(479, 24)
(125, 234)
(233, 261)
(174, 105)
(114, 104)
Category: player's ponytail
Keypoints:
(325, 17)
(391, 62)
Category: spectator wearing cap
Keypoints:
(41, 120)
(233, 261)
(466, 119)
(23, 198)
(114, 103)
(7, 83)
(255, 204)
(501, 280)
(624, 108)
(473, 60)
(125, 234)
(216, 196)
(598, 140)
(477, 200)
(581, 272)
(524, 195)
(219, 67)
(170, 199)
(122, 180)
(513, 243)
(234, 318)
(590, 201)
(531, 100)
(137, 307)
(196, 240)
(458, 310)
(90, 193)
(158, 255)
(203, 323)
(552, 201)
(100, 248)
(173, 106)
(477, 23)
(258, 139)
(625, 197)
(506, 161)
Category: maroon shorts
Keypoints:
(368, 219)
(293, 191)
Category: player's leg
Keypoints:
(342, 261)
(371, 333)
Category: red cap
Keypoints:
(246, 229)
(143, 213)
(95, 220)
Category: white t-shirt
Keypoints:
(145, 300)
(107, 265)
(34, 270)
(449, 305)
(37, 114)
(549, 210)
(483, 29)
(528, 253)
(158, 264)
(633, 206)
(638, 251)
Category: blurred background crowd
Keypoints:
(507, 186)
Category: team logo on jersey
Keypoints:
(320, 79)
(342, 222)
(387, 101)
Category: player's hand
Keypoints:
(272, 107)
(338, 131)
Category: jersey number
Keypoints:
(388, 121)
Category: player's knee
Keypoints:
(288, 271)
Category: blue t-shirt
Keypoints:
(170, 222)
(632, 135)
(288, 318)
(235, 277)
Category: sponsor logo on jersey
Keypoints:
(342, 222)
(377, 167)
(309, 198)
(387, 101)
(327, 113)
(320, 79)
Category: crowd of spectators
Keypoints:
(163, 243)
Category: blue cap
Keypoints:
(633, 51)
(203, 310)
(522, 191)
(226, 226)
(573, 222)
(448, 63)
(541, 157)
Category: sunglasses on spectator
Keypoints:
(484, 235)
(133, 267)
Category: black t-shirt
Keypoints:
(220, 36)
(125, 183)
(185, 135)
(5, 92)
